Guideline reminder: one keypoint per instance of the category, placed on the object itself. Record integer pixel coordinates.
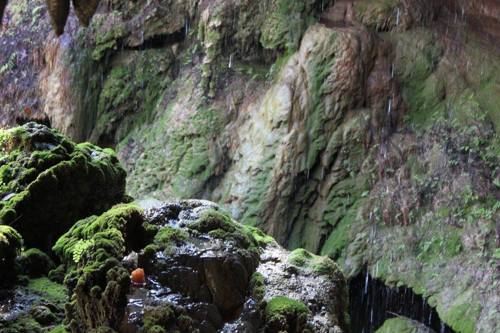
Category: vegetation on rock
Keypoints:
(48, 182)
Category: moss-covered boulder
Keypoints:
(286, 314)
(35, 263)
(204, 272)
(48, 182)
(403, 325)
(92, 250)
(10, 246)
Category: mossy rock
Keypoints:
(257, 286)
(92, 251)
(158, 317)
(48, 290)
(35, 263)
(403, 325)
(43, 315)
(286, 22)
(10, 246)
(220, 225)
(48, 182)
(285, 314)
(321, 265)
(24, 324)
(166, 318)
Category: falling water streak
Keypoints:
(389, 108)
(398, 15)
(393, 70)
(186, 27)
(230, 65)
(366, 282)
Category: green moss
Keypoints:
(280, 305)
(378, 15)
(99, 282)
(58, 329)
(49, 290)
(160, 316)
(57, 274)
(257, 286)
(107, 231)
(220, 225)
(211, 220)
(23, 324)
(261, 237)
(180, 161)
(36, 263)
(496, 253)
(10, 246)
(130, 94)
(402, 325)
(43, 315)
(168, 235)
(49, 182)
(318, 264)
(107, 36)
(440, 246)
(285, 23)
(10, 240)
(281, 309)
(338, 240)
(462, 317)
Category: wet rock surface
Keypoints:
(34, 306)
(206, 279)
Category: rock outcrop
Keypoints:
(204, 273)
(49, 182)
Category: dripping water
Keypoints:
(398, 16)
(186, 27)
(389, 107)
(371, 303)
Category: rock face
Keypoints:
(204, 273)
(49, 182)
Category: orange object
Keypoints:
(138, 276)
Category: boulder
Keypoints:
(49, 182)
(203, 272)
